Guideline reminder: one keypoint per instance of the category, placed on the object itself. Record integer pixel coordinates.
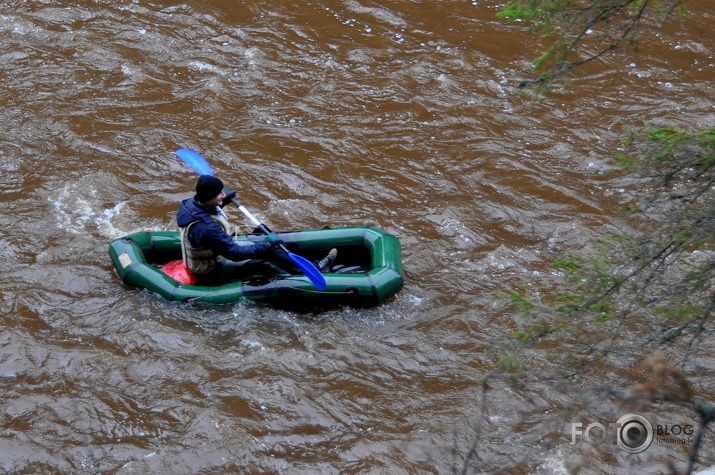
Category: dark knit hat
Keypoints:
(208, 187)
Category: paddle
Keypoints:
(199, 164)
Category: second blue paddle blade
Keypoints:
(309, 270)
(195, 161)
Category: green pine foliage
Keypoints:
(644, 298)
(582, 31)
(664, 266)
(636, 294)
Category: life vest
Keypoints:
(200, 260)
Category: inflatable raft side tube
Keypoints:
(132, 253)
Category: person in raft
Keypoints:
(209, 251)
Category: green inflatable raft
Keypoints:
(368, 269)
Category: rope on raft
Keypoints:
(348, 292)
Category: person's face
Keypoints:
(217, 200)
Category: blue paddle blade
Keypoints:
(310, 271)
(195, 161)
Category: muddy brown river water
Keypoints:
(402, 115)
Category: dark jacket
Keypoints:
(210, 234)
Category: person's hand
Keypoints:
(230, 195)
(270, 241)
(274, 239)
